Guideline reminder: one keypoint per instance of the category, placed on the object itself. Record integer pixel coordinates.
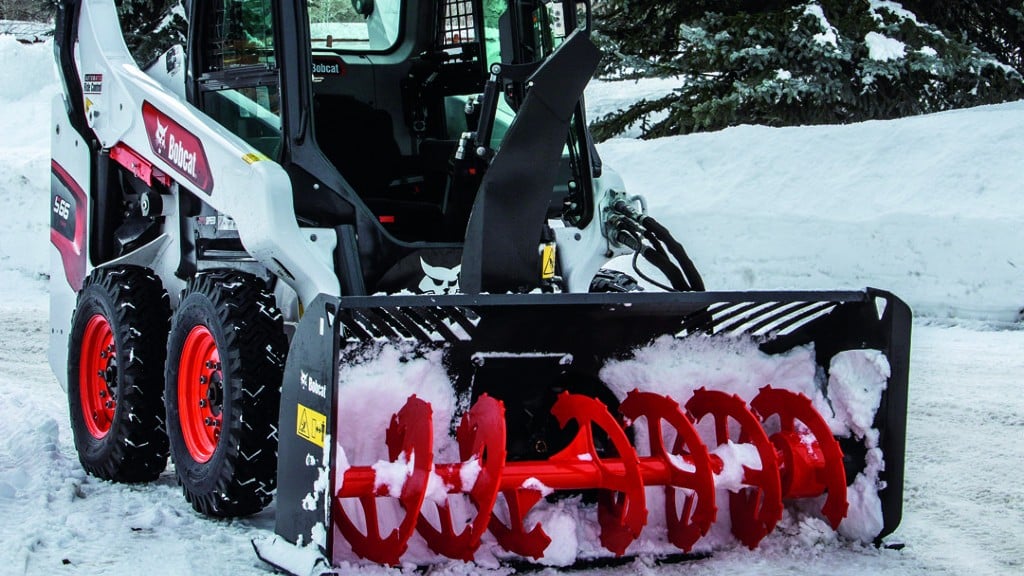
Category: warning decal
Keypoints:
(311, 425)
(548, 262)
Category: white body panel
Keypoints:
(254, 191)
(71, 154)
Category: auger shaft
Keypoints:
(362, 480)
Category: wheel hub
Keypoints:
(98, 376)
(200, 394)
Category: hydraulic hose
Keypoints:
(660, 237)
(628, 236)
(695, 282)
(662, 263)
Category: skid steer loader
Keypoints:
(352, 255)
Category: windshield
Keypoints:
(355, 25)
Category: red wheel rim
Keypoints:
(200, 394)
(97, 376)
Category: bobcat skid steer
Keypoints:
(352, 255)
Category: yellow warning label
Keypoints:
(548, 262)
(311, 425)
(253, 157)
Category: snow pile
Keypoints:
(677, 367)
(926, 207)
(857, 379)
(371, 389)
(25, 93)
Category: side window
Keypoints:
(239, 84)
(240, 33)
(355, 25)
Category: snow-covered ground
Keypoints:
(927, 207)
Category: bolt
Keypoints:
(103, 354)
(208, 421)
(540, 446)
(203, 380)
(109, 404)
(202, 402)
(103, 393)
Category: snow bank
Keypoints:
(927, 207)
(25, 92)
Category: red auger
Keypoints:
(800, 461)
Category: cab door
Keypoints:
(235, 73)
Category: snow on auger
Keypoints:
(811, 469)
(354, 259)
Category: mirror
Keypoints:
(363, 7)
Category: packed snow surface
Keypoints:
(928, 207)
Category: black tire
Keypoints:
(116, 399)
(607, 280)
(232, 469)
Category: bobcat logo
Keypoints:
(439, 280)
(161, 137)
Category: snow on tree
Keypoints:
(790, 63)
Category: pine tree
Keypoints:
(790, 62)
(995, 26)
(151, 27)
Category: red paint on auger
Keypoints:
(802, 460)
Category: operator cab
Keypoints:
(393, 97)
(381, 120)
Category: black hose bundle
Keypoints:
(681, 274)
(693, 279)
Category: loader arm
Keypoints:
(511, 205)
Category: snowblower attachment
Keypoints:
(505, 409)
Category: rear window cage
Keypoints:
(460, 23)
